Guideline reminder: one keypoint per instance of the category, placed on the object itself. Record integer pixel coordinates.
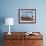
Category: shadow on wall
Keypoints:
(2, 21)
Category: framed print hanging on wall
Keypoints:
(27, 15)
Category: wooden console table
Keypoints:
(20, 39)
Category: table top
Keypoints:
(22, 35)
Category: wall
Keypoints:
(9, 8)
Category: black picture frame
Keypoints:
(27, 15)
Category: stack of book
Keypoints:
(30, 33)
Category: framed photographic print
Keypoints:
(27, 15)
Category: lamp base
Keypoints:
(9, 33)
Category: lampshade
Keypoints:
(9, 21)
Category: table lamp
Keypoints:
(9, 21)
